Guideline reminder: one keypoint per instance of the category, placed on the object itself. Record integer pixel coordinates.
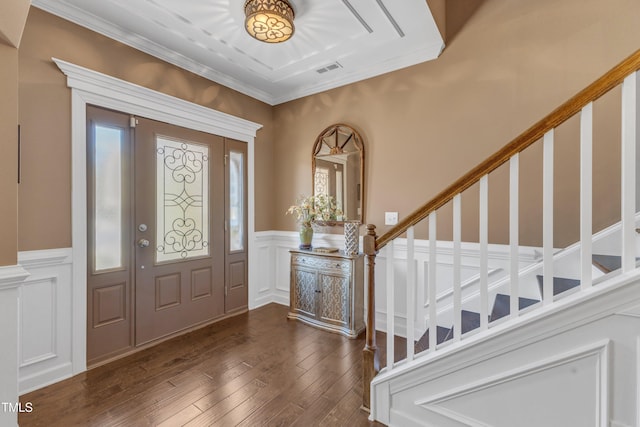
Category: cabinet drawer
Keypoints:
(326, 264)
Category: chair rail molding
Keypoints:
(91, 87)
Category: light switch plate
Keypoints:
(390, 218)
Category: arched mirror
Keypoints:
(338, 169)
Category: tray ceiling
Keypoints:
(336, 42)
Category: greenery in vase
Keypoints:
(310, 209)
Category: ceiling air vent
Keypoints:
(329, 67)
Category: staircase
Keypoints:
(546, 344)
(502, 303)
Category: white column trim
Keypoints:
(90, 87)
(11, 277)
(547, 216)
(586, 195)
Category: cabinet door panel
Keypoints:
(334, 299)
(304, 292)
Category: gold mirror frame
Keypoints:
(339, 141)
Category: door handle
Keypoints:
(143, 243)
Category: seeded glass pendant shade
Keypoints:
(270, 21)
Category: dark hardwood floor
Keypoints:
(254, 369)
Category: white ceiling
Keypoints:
(360, 38)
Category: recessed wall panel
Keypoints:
(237, 274)
(201, 285)
(109, 304)
(167, 291)
(37, 321)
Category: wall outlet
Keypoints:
(390, 218)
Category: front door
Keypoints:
(167, 231)
(236, 226)
(179, 229)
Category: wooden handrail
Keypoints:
(604, 84)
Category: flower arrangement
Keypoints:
(320, 208)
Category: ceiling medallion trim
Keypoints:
(270, 21)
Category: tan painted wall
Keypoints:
(45, 103)
(13, 14)
(9, 149)
(507, 64)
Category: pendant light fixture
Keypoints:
(270, 21)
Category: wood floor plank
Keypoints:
(180, 418)
(315, 413)
(285, 417)
(277, 410)
(255, 369)
(343, 409)
(218, 410)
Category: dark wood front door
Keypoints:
(167, 230)
(179, 229)
(236, 282)
(109, 254)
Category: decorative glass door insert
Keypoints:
(182, 200)
(236, 201)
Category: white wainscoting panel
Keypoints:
(581, 375)
(272, 268)
(272, 265)
(11, 278)
(263, 266)
(44, 320)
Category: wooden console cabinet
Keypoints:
(327, 291)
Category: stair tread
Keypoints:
(607, 263)
(423, 343)
(560, 284)
(502, 306)
(470, 321)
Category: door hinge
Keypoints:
(226, 227)
(225, 291)
(226, 157)
(133, 121)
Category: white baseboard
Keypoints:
(45, 377)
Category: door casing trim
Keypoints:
(91, 87)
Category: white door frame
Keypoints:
(91, 87)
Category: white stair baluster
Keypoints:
(411, 294)
(433, 322)
(586, 195)
(514, 290)
(547, 217)
(628, 188)
(457, 282)
(484, 252)
(390, 304)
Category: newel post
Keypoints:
(370, 363)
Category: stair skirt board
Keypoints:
(555, 345)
